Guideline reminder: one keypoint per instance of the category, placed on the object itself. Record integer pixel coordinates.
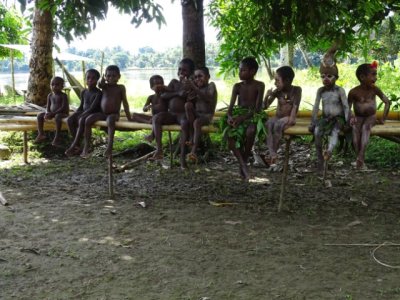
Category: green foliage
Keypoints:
(11, 30)
(238, 133)
(382, 153)
(260, 28)
(74, 18)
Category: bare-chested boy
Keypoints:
(249, 94)
(335, 113)
(90, 103)
(57, 108)
(363, 98)
(153, 102)
(113, 95)
(289, 97)
(176, 95)
(200, 109)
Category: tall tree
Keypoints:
(193, 45)
(69, 19)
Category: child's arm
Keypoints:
(102, 84)
(82, 98)
(345, 104)
(296, 105)
(315, 110)
(147, 105)
(350, 100)
(386, 101)
(48, 113)
(269, 98)
(172, 90)
(260, 96)
(235, 92)
(125, 103)
(94, 106)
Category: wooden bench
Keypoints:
(29, 123)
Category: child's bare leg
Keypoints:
(318, 149)
(40, 121)
(270, 137)
(250, 137)
(197, 124)
(333, 140)
(244, 172)
(111, 119)
(141, 118)
(190, 115)
(277, 135)
(158, 120)
(58, 120)
(74, 148)
(367, 125)
(182, 142)
(73, 123)
(357, 135)
(90, 120)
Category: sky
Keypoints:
(117, 30)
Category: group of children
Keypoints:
(190, 102)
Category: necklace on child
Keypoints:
(286, 96)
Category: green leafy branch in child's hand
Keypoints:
(238, 133)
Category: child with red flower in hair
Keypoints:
(363, 97)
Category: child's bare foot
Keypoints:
(244, 173)
(327, 154)
(56, 142)
(360, 165)
(108, 152)
(192, 157)
(71, 151)
(156, 156)
(40, 138)
(149, 138)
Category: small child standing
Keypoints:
(153, 102)
(57, 108)
(200, 109)
(289, 97)
(363, 97)
(90, 103)
(249, 94)
(335, 113)
(113, 95)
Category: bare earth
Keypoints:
(62, 237)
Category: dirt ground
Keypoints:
(203, 233)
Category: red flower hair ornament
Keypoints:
(374, 65)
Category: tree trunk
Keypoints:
(305, 56)
(193, 31)
(267, 63)
(41, 61)
(287, 55)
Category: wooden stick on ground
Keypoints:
(25, 147)
(3, 200)
(110, 177)
(133, 163)
(284, 175)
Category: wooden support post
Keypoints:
(25, 147)
(110, 177)
(171, 158)
(285, 171)
(325, 169)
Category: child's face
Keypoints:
(91, 80)
(156, 83)
(56, 86)
(328, 80)
(200, 78)
(280, 83)
(112, 77)
(370, 78)
(184, 71)
(245, 73)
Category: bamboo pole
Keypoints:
(285, 171)
(110, 177)
(25, 147)
(12, 73)
(135, 162)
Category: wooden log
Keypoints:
(284, 175)
(110, 177)
(3, 200)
